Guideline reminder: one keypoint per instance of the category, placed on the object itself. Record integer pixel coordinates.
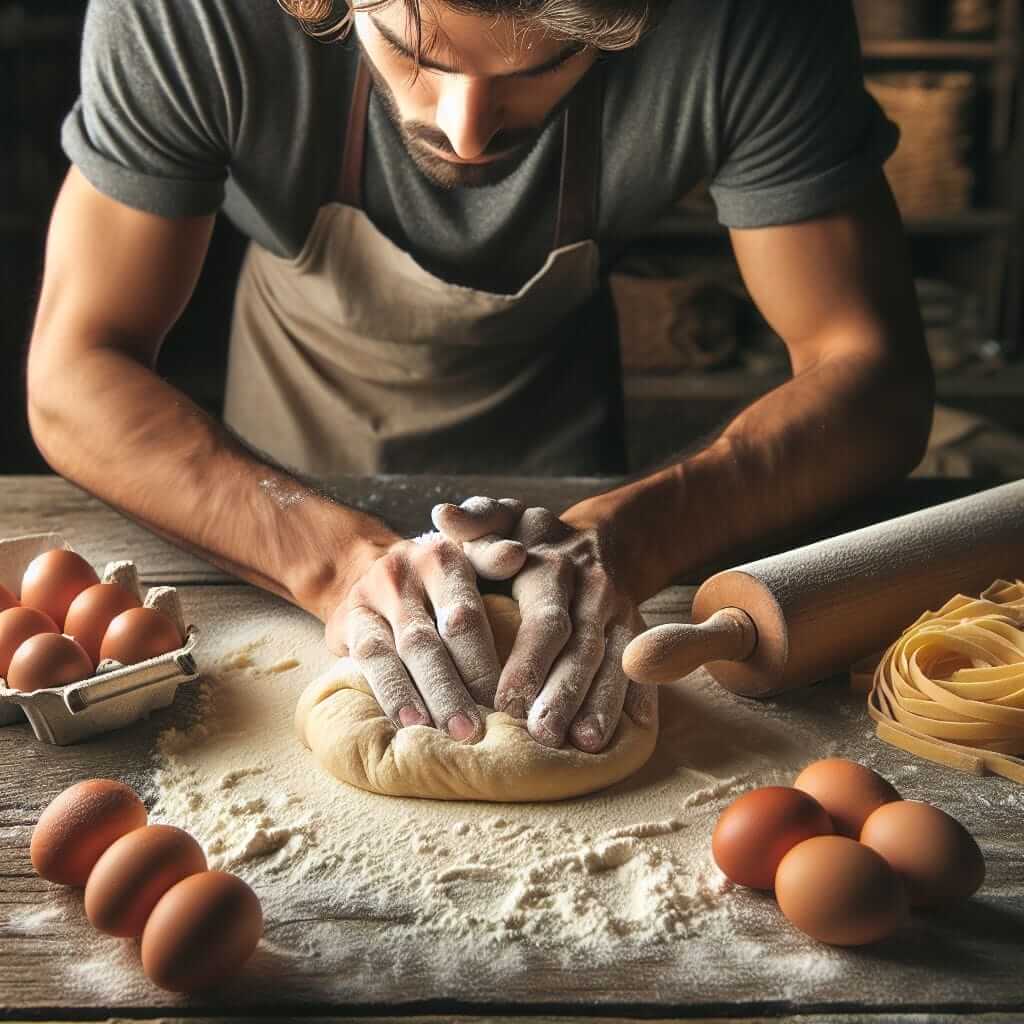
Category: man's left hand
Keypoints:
(564, 674)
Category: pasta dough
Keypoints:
(351, 738)
(951, 688)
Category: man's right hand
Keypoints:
(415, 625)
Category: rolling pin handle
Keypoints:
(666, 653)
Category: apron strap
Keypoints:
(580, 173)
(581, 162)
(350, 181)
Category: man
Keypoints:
(433, 206)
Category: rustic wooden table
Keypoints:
(964, 966)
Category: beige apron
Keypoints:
(351, 358)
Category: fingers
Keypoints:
(461, 618)
(541, 526)
(392, 635)
(494, 557)
(544, 593)
(428, 662)
(641, 704)
(371, 645)
(567, 685)
(577, 671)
(477, 517)
(482, 526)
(599, 715)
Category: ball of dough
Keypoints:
(339, 720)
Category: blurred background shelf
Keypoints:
(939, 49)
(694, 349)
(681, 223)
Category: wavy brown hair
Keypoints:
(604, 24)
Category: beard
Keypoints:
(505, 152)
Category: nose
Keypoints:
(467, 112)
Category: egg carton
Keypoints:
(118, 694)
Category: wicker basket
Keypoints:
(971, 17)
(897, 19)
(672, 324)
(929, 173)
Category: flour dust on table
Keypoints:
(472, 890)
(626, 868)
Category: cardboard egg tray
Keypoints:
(117, 695)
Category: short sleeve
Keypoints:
(798, 132)
(150, 127)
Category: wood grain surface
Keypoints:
(33, 504)
(963, 966)
(37, 504)
(801, 1018)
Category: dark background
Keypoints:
(693, 347)
(38, 85)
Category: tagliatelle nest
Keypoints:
(951, 688)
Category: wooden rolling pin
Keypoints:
(790, 620)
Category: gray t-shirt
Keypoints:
(189, 106)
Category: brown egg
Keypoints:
(134, 872)
(756, 831)
(47, 660)
(139, 634)
(847, 790)
(16, 626)
(840, 892)
(7, 599)
(937, 858)
(201, 932)
(79, 824)
(92, 612)
(53, 580)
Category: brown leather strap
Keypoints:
(580, 172)
(350, 180)
(581, 163)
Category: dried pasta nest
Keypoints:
(951, 688)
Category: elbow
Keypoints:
(37, 404)
(47, 399)
(912, 402)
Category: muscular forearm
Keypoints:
(835, 431)
(112, 426)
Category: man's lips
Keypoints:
(475, 161)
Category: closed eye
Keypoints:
(549, 68)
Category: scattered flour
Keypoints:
(361, 891)
(629, 866)
(617, 877)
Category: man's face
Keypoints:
(485, 90)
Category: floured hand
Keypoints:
(415, 625)
(564, 674)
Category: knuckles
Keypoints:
(551, 620)
(439, 553)
(594, 580)
(590, 642)
(415, 637)
(541, 525)
(389, 574)
(368, 645)
(460, 620)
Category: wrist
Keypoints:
(339, 549)
(634, 524)
(672, 522)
